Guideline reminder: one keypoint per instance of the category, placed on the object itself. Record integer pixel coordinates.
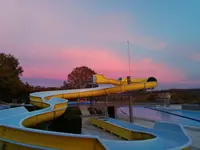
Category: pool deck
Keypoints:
(193, 133)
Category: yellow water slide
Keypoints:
(14, 131)
(121, 86)
(100, 79)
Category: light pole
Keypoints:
(129, 60)
(129, 82)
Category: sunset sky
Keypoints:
(52, 37)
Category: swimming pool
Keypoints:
(147, 113)
(193, 115)
(4, 107)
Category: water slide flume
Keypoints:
(15, 122)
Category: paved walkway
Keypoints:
(84, 110)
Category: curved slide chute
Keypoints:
(16, 134)
(100, 79)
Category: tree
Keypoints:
(81, 77)
(9, 66)
(66, 85)
(10, 72)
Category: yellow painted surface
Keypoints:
(34, 120)
(51, 141)
(60, 105)
(48, 97)
(117, 89)
(121, 132)
(139, 84)
(57, 96)
(11, 146)
(100, 79)
(34, 98)
(39, 104)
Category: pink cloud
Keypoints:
(104, 62)
(35, 31)
(38, 23)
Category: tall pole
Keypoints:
(106, 106)
(129, 60)
(129, 82)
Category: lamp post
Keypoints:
(129, 60)
(129, 82)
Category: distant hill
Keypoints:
(43, 82)
(178, 96)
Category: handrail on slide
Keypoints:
(15, 133)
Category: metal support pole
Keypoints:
(3, 146)
(78, 102)
(115, 107)
(106, 108)
(129, 59)
(92, 98)
(96, 100)
(130, 102)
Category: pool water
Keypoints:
(193, 115)
(147, 113)
(3, 107)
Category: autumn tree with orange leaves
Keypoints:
(80, 77)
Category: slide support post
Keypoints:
(130, 102)
(106, 108)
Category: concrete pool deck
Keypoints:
(193, 133)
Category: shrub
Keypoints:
(69, 122)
